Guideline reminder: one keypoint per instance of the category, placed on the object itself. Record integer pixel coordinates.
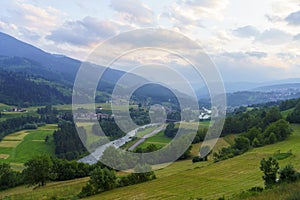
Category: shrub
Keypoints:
(197, 159)
(256, 189)
(30, 126)
(288, 174)
(270, 169)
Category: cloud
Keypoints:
(133, 11)
(205, 3)
(191, 14)
(293, 18)
(274, 37)
(257, 54)
(297, 37)
(30, 23)
(246, 31)
(85, 32)
(243, 55)
(273, 18)
(244, 67)
(32, 18)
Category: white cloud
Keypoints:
(297, 37)
(133, 11)
(34, 19)
(293, 18)
(257, 54)
(30, 23)
(246, 31)
(274, 37)
(187, 14)
(85, 32)
(240, 66)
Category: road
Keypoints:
(140, 141)
(96, 155)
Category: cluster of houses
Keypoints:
(92, 115)
(15, 110)
(205, 114)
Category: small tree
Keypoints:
(272, 138)
(256, 142)
(101, 180)
(242, 143)
(47, 138)
(288, 174)
(38, 170)
(270, 169)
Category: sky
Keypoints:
(247, 40)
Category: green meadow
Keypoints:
(187, 180)
(21, 146)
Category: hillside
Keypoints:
(211, 181)
(21, 90)
(19, 147)
(183, 179)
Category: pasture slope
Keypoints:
(183, 179)
(21, 146)
(213, 180)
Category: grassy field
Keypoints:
(140, 134)
(4, 107)
(145, 131)
(282, 192)
(63, 189)
(91, 137)
(160, 140)
(19, 147)
(212, 181)
(185, 180)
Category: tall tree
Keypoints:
(38, 170)
(270, 169)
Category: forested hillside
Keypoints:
(18, 89)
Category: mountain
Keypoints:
(58, 71)
(62, 66)
(19, 89)
(283, 88)
(11, 47)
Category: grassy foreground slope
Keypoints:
(282, 192)
(225, 178)
(183, 179)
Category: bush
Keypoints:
(197, 159)
(288, 174)
(30, 126)
(101, 180)
(270, 169)
(294, 196)
(242, 143)
(256, 189)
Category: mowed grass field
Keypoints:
(213, 180)
(63, 190)
(160, 140)
(21, 146)
(184, 179)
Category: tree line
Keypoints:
(42, 169)
(68, 144)
(258, 127)
(18, 123)
(103, 179)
